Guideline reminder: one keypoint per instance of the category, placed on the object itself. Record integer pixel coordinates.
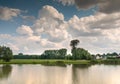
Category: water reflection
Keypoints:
(5, 71)
(81, 66)
(78, 72)
(69, 74)
(58, 65)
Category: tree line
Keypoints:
(77, 53)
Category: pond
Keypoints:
(67, 74)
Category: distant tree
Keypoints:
(54, 54)
(114, 54)
(73, 44)
(62, 53)
(6, 53)
(83, 54)
(20, 54)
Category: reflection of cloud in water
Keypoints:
(5, 71)
(37, 74)
(71, 74)
(40, 74)
(97, 74)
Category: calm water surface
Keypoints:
(69, 74)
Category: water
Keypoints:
(69, 74)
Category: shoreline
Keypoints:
(45, 61)
(60, 62)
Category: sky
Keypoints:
(30, 27)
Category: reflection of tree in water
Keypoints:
(78, 72)
(81, 66)
(5, 71)
(57, 63)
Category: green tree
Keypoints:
(54, 54)
(83, 54)
(20, 54)
(6, 53)
(73, 44)
(62, 53)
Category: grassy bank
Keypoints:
(35, 61)
(62, 62)
(108, 61)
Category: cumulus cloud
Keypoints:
(112, 34)
(51, 25)
(105, 6)
(79, 27)
(8, 13)
(105, 21)
(50, 12)
(24, 30)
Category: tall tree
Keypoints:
(73, 44)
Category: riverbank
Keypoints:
(38, 61)
(56, 62)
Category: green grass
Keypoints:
(60, 62)
(38, 61)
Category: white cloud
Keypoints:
(24, 30)
(105, 21)
(50, 12)
(81, 27)
(34, 38)
(8, 13)
(113, 34)
(51, 25)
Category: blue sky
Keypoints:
(51, 24)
